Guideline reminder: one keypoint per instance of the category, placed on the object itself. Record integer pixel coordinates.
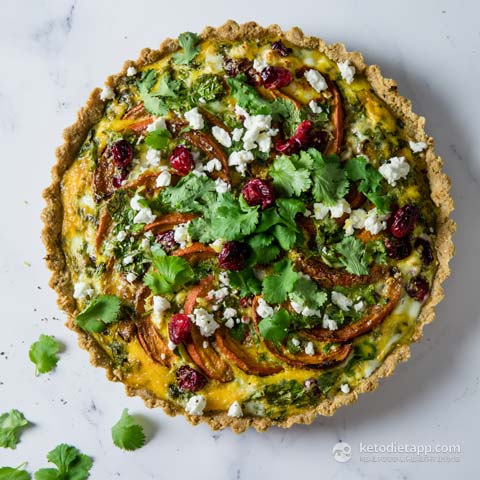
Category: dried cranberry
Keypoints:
(258, 192)
(299, 140)
(245, 302)
(426, 250)
(317, 139)
(167, 241)
(418, 288)
(235, 66)
(181, 160)
(398, 248)
(403, 221)
(280, 47)
(233, 256)
(179, 328)
(275, 77)
(122, 153)
(120, 175)
(190, 379)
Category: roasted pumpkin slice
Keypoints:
(153, 343)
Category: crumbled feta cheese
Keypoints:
(358, 218)
(171, 346)
(264, 142)
(82, 290)
(235, 410)
(121, 235)
(264, 310)
(345, 388)
(295, 342)
(213, 165)
(164, 179)
(347, 71)
(157, 124)
(223, 277)
(145, 215)
(128, 260)
(107, 93)
(205, 344)
(341, 301)
(131, 277)
(309, 350)
(297, 307)
(320, 211)
(217, 245)
(359, 306)
(218, 295)
(204, 321)
(375, 223)
(259, 65)
(160, 304)
(135, 202)
(221, 186)
(196, 405)
(222, 136)
(240, 160)
(417, 147)
(131, 71)
(394, 169)
(237, 134)
(230, 323)
(329, 323)
(315, 107)
(181, 235)
(316, 80)
(145, 243)
(153, 157)
(341, 207)
(348, 227)
(195, 119)
(310, 312)
(229, 313)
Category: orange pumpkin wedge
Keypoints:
(337, 119)
(168, 221)
(103, 227)
(195, 252)
(153, 343)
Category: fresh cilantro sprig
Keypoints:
(11, 425)
(277, 286)
(158, 139)
(100, 312)
(43, 353)
(167, 273)
(188, 41)
(70, 462)
(127, 434)
(152, 102)
(289, 177)
(275, 328)
(353, 255)
(245, 281)
(307, 293)
(10, 473)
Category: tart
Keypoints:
(248, 227)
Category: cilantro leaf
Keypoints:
(353, 255)
(286, 237)
(277, 286)
(167, 273)
(307, 293)
(330, 182)
(43, 353)
(158, 139)
(287, 178)
(100, 312)
(126, 434)
(262, 249)
(71, 464)
(188, 41)
(10, 473)
(152, 103)
(275, 328)
(11, 424)
(245, 281)
(247, 96)
(238, 331)
(371, 184)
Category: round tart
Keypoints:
(248, 227)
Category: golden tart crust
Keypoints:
(386, 89)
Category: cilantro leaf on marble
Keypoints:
(43, 353)
(127, 434)
(70, 462)
(11, 425)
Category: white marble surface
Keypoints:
(51, 55)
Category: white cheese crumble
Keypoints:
(375, 223)
(417, 147)
(204, 321)
(341, 301)
(315, 107)
(221, 186)
(235, 410)
(394, 169)
(237, 134)
(218, 295)
(359, 306)
(345, 388)
(316, 80)
(107, 93)
(229, 313)
(181, 235)
(223, 276)
(131, 71)
(121, 235)
(160, 304)
(341, 207)
(320, 211)
(213, 165)
(295, 342)
(264, 310)
(157, 124)
(171, 346)
(152, 157)
(144, 214)
(259, 65)
(131, 277)
(240, 161)
(222, 136)
(196, 405)
(82, 290)
(128, 260)
(347, 71)
(164, 179)
(195, 119)
(329, 323)
(309, 350)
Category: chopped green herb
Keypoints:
(353, 255)
(43, 353)
(158, 139)
(100, 312)
(287, 178)
(127, 434)
(70, 462)
(11, 425)
(276, 287)
(10, 473)
(188, 41)
(275, 328)
(245, 281)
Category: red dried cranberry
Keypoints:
(120, 175)
(179, 328)
(275, 77)
(245, 302)
(258, 192)
(418, 288)
(181, 160)
(233, 256)
(317, 139)
(426, 250)
(403, 221)
(398, 248)
(189, 379)
(122, 153)
(167, 241)
(299, 140)
(280, 47)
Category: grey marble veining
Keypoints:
(52, 54)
